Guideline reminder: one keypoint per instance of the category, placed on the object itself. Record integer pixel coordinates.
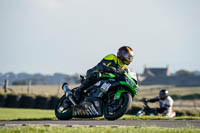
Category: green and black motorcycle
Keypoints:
(110, 97)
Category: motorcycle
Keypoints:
(146, 110)
(110, 97)
(153, 111)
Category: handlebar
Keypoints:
(145, 102)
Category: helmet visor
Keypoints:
(127, 56)
(163, 97)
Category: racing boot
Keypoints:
(79, 91)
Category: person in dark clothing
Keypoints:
(110, 63)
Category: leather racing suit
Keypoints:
(110, 63)
(165, 105)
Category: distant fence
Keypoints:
(186, 97)
(172, 80)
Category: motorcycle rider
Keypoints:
(166, 103)
(110, 63)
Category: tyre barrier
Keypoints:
(26, 101)
(52, 102)
(2, 100)
(41, 102)
(12, 101)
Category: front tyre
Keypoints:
(63, 110)
(140, 112)
(114, 109)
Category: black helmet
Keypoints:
(163, 94)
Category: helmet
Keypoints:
(163, 94)
(125, 54)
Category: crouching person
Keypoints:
(166, 104)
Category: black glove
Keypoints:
(119, 73)
(119, 69)
(110, 69)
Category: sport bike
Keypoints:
(110, 97)
(146, 110)
(153, 111)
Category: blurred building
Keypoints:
(156, 72)
(162, 76)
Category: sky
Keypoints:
(71, 36)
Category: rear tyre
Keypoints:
(119, 108)
(66, 113)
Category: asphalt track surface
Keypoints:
(96, 123)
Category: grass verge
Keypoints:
(37, 114)
(26, 114)
(32, 129)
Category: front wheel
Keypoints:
(140, 112)
(63, 110)
(114, 109)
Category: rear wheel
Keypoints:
(63, 110)
(114, 109)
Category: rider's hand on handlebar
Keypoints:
(120, 71)
(110, 69)
(115, 71)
